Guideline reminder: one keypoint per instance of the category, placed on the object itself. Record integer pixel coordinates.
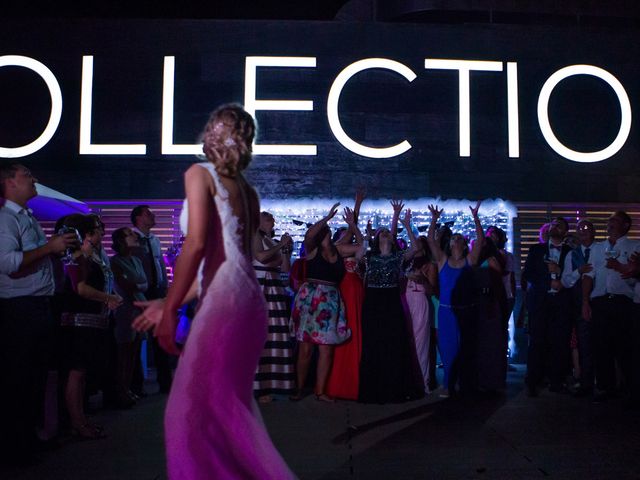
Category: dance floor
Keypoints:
(507, 437)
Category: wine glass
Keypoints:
(611, 253)
(67, 258)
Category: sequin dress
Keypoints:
(386, 365)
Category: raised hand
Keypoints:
(474, 211)
(406, 220)
(361, 194)
(435, 212)
(332, 212)
(348, 216)
(397, 206)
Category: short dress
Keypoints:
(318, 310)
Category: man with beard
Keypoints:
(547, 303)
(608, 303)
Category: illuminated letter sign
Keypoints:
(463, 67)
(545, 126)
(334, 98)
(251, 104)
(168, 148)
(86, 147)
(56, 105)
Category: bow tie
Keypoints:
(555, 247)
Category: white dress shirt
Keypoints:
(19, 233)
(607, 280)
(158, 258)
(571, 275)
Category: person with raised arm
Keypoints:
(318, 310)
(387, 362)
(456, 311)
(344, 378)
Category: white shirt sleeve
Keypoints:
(569, 275)
(11, 254)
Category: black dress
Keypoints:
(387, 364)
(84, 323)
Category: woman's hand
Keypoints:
(113, 301)
(332, 212)
(435, 212)
(406, 220)
(165, 332)
(474, 211)
(150, 316)
(397, 206)
(348, 216)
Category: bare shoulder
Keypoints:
(197, 177)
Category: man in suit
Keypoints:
(576, 265)
(548, 305)
(150, 253)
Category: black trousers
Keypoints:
(611, 338)
(635, 349)
(549, 336)
(27, 328)
(585, 353)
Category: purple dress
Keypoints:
(213, 427)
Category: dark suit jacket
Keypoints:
(537, 276)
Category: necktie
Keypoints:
(587, 251)
(153, 281)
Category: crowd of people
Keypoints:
(377, 308)
(68, 308)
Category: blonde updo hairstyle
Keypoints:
(227, 139)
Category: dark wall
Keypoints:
(378, 108)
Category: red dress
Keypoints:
(344, 378)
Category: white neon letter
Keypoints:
(513, 117)
(464, 67)
(56, 105)
(545, 125)
(334, 98)
(168, 86)
(251, 104)
(86, 147)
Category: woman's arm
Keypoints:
(414, 247)
(397, 208)
(351, 249)
(200, 191)
(266, 255)
(309, 237)
(438, 255)
(474, 255)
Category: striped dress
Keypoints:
(276, 372)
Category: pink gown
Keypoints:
(213, 428)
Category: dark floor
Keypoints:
(504, 437)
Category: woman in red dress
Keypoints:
(344, 377)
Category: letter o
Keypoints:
(545, 126)
(56, 105)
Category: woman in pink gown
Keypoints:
(213, 429)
